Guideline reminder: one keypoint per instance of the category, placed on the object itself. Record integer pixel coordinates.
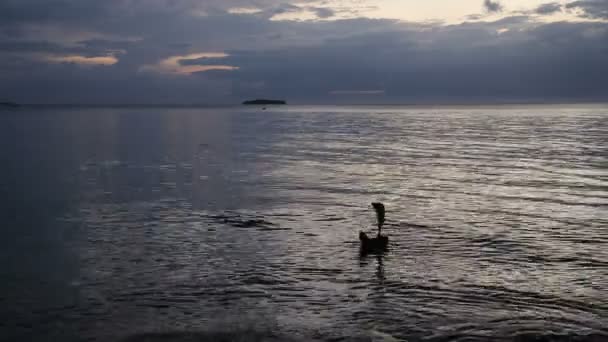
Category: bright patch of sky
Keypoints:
(82, 60)
(173, 64)
(220, 51)
(447, 11)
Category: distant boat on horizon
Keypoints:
(264, 102)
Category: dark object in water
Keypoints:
(379, 208)
(264, 102)
(380, 242)
(373, 245)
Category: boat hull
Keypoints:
(377, 244)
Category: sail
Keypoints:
(379, 208)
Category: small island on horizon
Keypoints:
(8, 104)
(264, 102)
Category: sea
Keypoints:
(241, 224)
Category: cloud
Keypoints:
(594, 9)
(492, 6)
(548, 8)
(476, 16)
(357, 92)
(82, 60)
(301, 13)
(468, 61)
(244, 10)
(180, 65)
(168, 52)
(323, 12)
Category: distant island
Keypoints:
(9, 104)
(264, 102)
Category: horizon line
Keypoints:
(421, 103)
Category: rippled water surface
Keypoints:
(240, 224)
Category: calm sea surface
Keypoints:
(190, 224)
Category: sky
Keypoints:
(317, 52)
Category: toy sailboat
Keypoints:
(380, 242)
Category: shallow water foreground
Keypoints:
(235, 224)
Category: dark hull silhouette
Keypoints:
(377, 244)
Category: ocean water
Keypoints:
(238, 224)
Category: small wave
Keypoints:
(522, 337)
(236, 336)
(236, 220)
(330, 219)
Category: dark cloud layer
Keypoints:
(364, 60)
(595, 9)
(549, 8)
(492, 6)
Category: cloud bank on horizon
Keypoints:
(321, 51)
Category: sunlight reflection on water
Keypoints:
(157, 220)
